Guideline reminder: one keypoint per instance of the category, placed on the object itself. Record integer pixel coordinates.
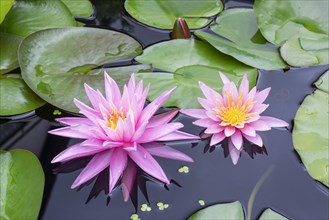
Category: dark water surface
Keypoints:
(213, 178)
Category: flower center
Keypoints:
(113, 118)
(234, 113)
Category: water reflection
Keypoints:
(101, 181)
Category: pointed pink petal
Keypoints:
(208, 92)
(130, 146)
(195, 113)
(74, 121)
(177, 136)
(274, 122)
(256, 140)
(161, 119)
(77, 151)
(117, 166)
(234, 153)
(147, 163)
(262, 95)
(112, 90)
(92, 96)
(212, 115)
(237, 139)
(259, 108)
(131, 84)
(140, 131)
(260, 125)
(111, 144)
(69, 132)
(96, 165)
(90, 113)
(208, 105)
(216, 138)
(244, 86)
(128, 179)
(153, 134)
(224, 78)
(161, 150)
(229, 130)
(248, 130)
(204, 122)
(129, 127)
(214, 128)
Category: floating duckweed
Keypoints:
(201, 202)
(134, 217)
(146, 208)
(162, 206)
(184, 169)
(57, 112)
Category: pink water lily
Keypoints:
(234, 115)
(121, 133)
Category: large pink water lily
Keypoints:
(234, 115)
(120, 133)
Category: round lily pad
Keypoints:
(16, 97)
(163, 14)
(22, 183)
(243, 40)
(8, 57)
(80, 8)
(28, 16)
(56, 63)
(311, 133)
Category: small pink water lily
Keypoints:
(234, 115)
(120, 133)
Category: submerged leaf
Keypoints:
(21, 185)
(56, 63)
(16, 97)
(224, 211)
(163, 14)
(311, 132)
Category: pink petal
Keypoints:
(216, 138)
(259, 108)
(92, 96)
(153, 134)
(131, 84)
(112, 90)
(259, 125)
(248, 130)
(208, 105)
(262, 95)
(208, 92)
(256, 140)
(274, 122)
(69, 132)
(212, 115)
(74, 121)
(147, 163)
(77, 151)
(111, 144)
(229, 130)
(244, 86)
(161, 150)
(140, 131)
(162, 119)
(214, 128)
(204, 122)
(195, 113)
(96, 165)
(237, 139)
(117, 166)
(128, 179)
(234, 153)
(177, 136)
(90, 113)
(224, 78)
(130, 146)
(129, 127)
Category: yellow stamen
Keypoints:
(235, 113)
(113, 118)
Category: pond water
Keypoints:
(212, 177)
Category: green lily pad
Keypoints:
(323, 82)
(16, 97)
(225, 211)
(81, 8)
(56, 63)
(269, 214)
(186, 79)
(282, 19)
(175, 54)
(28, 16)
(244, 41)
(163, 14)
(5, 7)
(21, 185)
(8, 57)
(293, 53)
(311, 132)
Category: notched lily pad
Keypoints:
(22, 183)
(311, 132)
(8, 57)
(163, 14)
(16, 97)
(56, 63)
(244, 41)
